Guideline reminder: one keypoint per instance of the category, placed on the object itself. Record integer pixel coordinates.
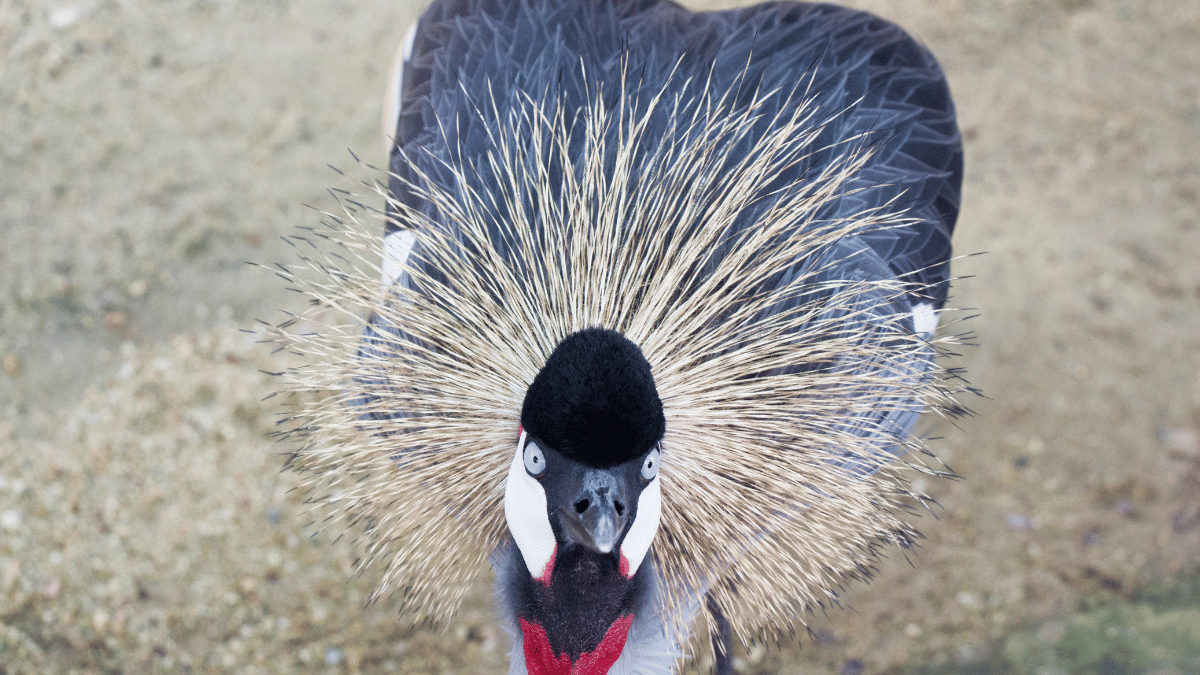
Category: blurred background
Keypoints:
(148, 148)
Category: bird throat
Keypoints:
(540, 658)
(578, 623)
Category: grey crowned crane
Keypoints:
(659, 312)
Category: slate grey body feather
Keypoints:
(862, 73)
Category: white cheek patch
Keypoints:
(396, 247)
(925, 318)
(528, 520)
(645, 525)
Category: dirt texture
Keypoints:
(149, 148)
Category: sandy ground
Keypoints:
(148, 148)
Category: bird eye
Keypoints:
(650, 465)
(535, 461)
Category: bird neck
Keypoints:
(540, 658)
(577, 621)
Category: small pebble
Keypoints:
(1182, 440)
(1185, 519)
(967, 655)
(852, 667)
(334, 656)
(138, 288)
(116, 320)
(756, 653)
(65, 17)
(1017, 521)
(11, 365)
(967, 599)
(824, 638)
(9, 575)
(100, 620)
(1052, 633)
(10, 520)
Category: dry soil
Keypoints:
(149, 148)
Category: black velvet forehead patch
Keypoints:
(595, 401)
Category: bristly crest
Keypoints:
(594, 400)
(775, 478)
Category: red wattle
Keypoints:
(540, 658)
(623, 566)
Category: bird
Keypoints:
(651, 324)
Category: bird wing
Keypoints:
(866, 78)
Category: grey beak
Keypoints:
(596, 516)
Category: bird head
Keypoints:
(582, 500)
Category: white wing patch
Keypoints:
(396, 247)
(391, 101)
(645, 524)
(528, 520)
(925, 318)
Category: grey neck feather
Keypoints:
(651, 649)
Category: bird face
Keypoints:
(554, 503)
(583, 533)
